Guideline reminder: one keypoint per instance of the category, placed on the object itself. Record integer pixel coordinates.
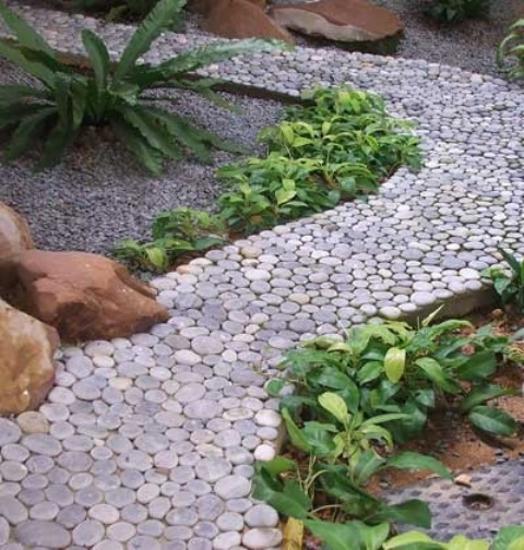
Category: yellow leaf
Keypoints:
(293, 534)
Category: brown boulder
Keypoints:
(243, 19)
(205, 6)
(341, 20)
(27, 371)
(15, 237)
(86, 296)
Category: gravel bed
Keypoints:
(99, 194)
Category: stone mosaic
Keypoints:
(149, 442)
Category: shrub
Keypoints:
(339, 147)
(455, 11)
(69, 99)
(510, 53)
(175, 232)
(509, 282)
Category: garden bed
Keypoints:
(99, 194)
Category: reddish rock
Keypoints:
(205, 6)
(243, 19)
(86, 296)
(27, 370)
(341, 20)
(15, 237)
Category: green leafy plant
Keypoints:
(338, 147)
(508, 282)
(394, 368)
(175, 232)
(69, 99)
(455, 11)
(116, 9)
(264, 192)
(510, 53)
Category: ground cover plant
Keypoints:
(455, 11)
(68, 99)
(510, 54)
(509, 282)
(353, 402)
(340, 145)
(176, 232)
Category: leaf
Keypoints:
(146, 33)
(493, 421)
(27, 131)
(38, 70)
(368, 464)
(411, 540)
(460, 542)
(319, 437)
(279, 465)
(394, 364)
(275, 386)
(24, 33)
(336, 536)
(295, 433)
(14, 92)
(479, 366)
(335, 405)
(369, 372)
(293, 534)
(287, 498)
(436, 374)
(507, 536)
(99, 57)
(481, 394)
(409, 460)
(372, 536)
(414, 512)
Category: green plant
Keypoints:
(512, 49)
(508, 283)
(70, 99)
(455, 11)
(175, 232)
(116, 9)
(337, 148)
(394, 368)
(274, 189)
(356, 142)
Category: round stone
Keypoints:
(262, 538)
(48, 534)
(32, 422)
(88, 533)
(43, 444)
(105, 513)
(261, 515)
(5, 531)
(121, 531)
(207, 345)
(232, 486)
(227, 540)
(9, 432)
(268, 417)
(202, 409)
(12, 510)
(212, 469)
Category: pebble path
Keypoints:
(149, 442)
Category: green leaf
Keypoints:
(279, 465)
(99, 57)
(479, 366)
(368, 464)
(493, 420)
(369, 372)
(24, 33)
(319, 437)
(412, 540)
(29, 129)
(409, 460)
(38, 70)
(414, 512)
(295, 433)
(150, 158)
(147, 32)
(336, 536)
(14, 92)
(508, 536)
(394, 364)
(335, 405)
(481, 394)
(275, 386)
(460, 542)
(437, 375)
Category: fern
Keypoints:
(510, 54)
(68, 99)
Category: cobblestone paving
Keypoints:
(148, 442)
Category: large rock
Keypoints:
(86, 296)
(14, 239)
(205, 6)
(243, 19)
(27, 371)
(341, 20)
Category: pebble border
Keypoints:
(148, 442)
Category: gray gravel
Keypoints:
(99, 194)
